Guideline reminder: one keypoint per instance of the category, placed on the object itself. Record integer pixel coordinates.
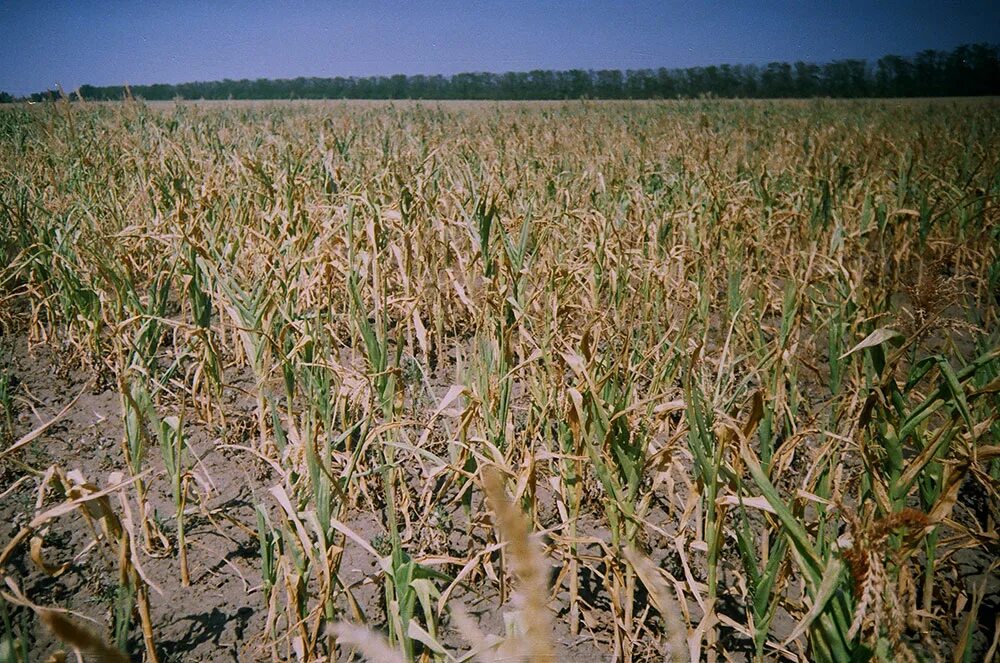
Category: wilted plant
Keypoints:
(642, 314)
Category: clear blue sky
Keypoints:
(171, 41)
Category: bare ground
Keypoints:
(222, 615)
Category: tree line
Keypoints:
(968, 70)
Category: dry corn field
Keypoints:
(687, 380)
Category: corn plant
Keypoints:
(8, 386)
(170, 433)
(736, 359)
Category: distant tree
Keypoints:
(575, 84)
(776, 80)
(639, 84)
(748, 80)
(806, 79)
(397, 87)
(512, 85)
(967, 70)
(728, 82)
(845, 78)
(542, 84)
(608, 84)
(48, 95)
(928, 71)
(6, 98)
(984, 76)
(894, 77)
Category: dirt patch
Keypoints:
(222, 615)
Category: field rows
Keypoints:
(695, 380)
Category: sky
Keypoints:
(71, 43)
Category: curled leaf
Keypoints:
(36, 556)
(877, 337)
